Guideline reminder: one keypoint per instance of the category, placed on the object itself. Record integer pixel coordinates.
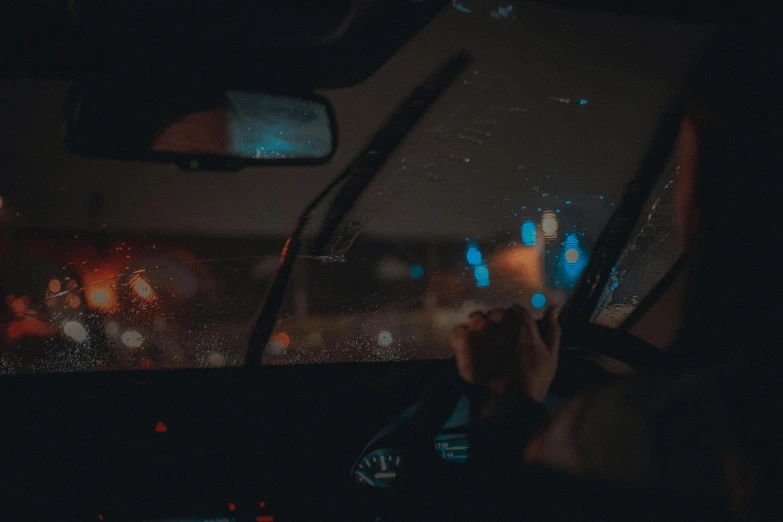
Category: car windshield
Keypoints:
(496, 196)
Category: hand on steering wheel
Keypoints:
(506, 348)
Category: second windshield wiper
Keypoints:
(351, 182)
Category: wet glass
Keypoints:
(647, 258)
(496, 196)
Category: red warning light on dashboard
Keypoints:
(160, 427)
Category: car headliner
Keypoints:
(626, 68)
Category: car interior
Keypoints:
(235, 237)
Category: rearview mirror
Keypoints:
(204, 129)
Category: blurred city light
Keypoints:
(549, 224)
(575, 260)
(132, 339)
(55, 286)
(529, 233)
(100, 296)
(520, 265)
(19, 304)
(481, 273)
(216, 360)
(473, 254)
(385, 338)
(29, 326)
(417, 271)
(99, 288)
(279, 342)
(538, 300)
(142, 288)
(283, 338)
(75, 331)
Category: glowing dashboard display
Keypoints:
(379, 468)
(452, 447)
(382, 467)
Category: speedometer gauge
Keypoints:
(379, 468)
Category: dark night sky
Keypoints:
(625, 68)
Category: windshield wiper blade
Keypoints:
(352, 182)
(581, 306)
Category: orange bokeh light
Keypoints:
(29, 326)
(100, 296)
(19, 305)
(99, 290)
(282, 339)
(55, 286)
(520, 265)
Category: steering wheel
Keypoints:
(581, 344)
(616, 344)
(419, 491)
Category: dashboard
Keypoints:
(197, 445)
(415, 458)
(277, 444)
(381, 467)
(382, 462)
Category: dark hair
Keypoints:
(732, 310)
(735, 99)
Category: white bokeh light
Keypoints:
(385, 338)
(549, 224)
(216, 360)
(75, 330)
(132, 339)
